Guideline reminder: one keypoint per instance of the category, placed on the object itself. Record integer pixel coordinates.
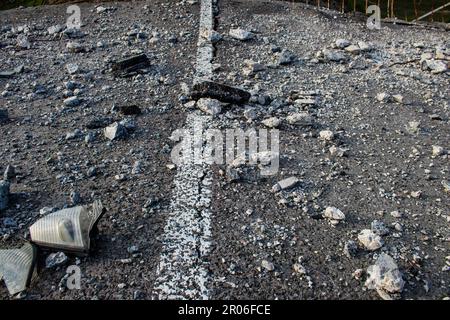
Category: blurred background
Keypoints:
(407, 10)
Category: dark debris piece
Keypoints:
(130, 110)
(221, 92)
(4, 115)
(130, 66)
(99, 123)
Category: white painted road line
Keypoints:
(183, 266)
(205, 49)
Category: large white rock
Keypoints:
(241, 34)
(115, 131)
(370, 240)
(326, 135)
(210, 106)
(436, 66)
(438, 151)
(384, 276)
(333, 55)
(354, 49)
(74, 47)
(272, 122)
(364, 46)
(54, 29)
(22, 42)
(299, 118)
(285, 184)
(72, 101)
(384, 97)
(342, 43)
(333, 213)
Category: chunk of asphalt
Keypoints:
(219, 91)
(4, 194)
(4, 117)
(130, 110)
(99, 123)
(17, 267)
(68, 229)
(130, 66)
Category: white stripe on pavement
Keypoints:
(183, 266)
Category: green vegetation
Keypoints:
(403, 9)
(9, 4)
(406, 9)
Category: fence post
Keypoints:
(415, 10)
(432, 11)
(392, 9)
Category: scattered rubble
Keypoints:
(369, 162)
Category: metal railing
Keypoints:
(408, 10)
